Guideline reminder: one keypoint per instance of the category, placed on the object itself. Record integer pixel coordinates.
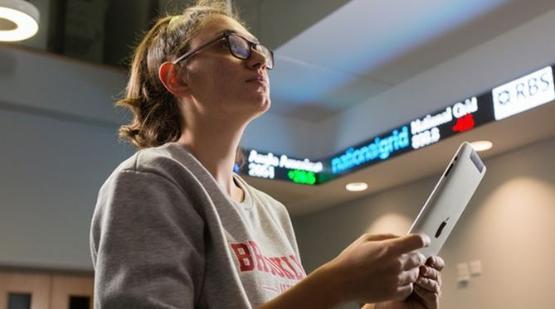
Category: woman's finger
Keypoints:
(430, 299)
(430, 273)
(412, 260)
(408, 277)
(404, 291)
(378, 237)
(401, 245)
(428, 285)
(436, 262)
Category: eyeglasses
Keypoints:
(238, 46)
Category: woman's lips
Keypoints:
(259, 79)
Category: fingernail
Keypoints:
(425, 239)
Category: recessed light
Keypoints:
(356, 186)
(481, 145)
(19, 20)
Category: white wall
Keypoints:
(51, 172)
(37, 80)
(508, 226)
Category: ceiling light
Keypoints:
(19, 20)
(481, 145)
(356, 186)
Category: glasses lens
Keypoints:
(239, 47)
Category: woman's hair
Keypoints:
(157, 117)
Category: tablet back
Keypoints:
(449, 198)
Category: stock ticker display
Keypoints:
(506, 100)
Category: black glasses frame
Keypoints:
(225, 36)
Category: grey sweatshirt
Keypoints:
(165, 235)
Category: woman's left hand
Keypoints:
(427, 289)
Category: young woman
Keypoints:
(174, 227)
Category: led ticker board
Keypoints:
(509, 99)
(454, 119)
(270, 166)
(420, 132)
(457, 118)
(378, 149)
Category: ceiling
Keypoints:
(366, 47)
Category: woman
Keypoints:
(175, 228)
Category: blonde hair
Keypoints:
(156, 115)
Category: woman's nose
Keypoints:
(257, 59)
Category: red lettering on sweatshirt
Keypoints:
(243, 256)
(274, 270)
(250, 258)
(260, 263)
(278, 262)
(302, 273)
(297, 275)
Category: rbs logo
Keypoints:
(523, 94)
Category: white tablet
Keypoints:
(446, 203)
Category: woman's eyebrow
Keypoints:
(248, 37)
(252, 38)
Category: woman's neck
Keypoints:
(215, 146)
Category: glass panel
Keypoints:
(79, 302)
(19, 300)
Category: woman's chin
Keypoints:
(260, 107)
(266, 104)
(261, 100)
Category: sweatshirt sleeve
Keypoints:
(147, 244)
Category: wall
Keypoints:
(51, 172)
(58, 144)
(508, 226)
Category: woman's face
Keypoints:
(222, 85)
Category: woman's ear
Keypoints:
(171, 79)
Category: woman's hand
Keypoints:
(378, 268)
(374, 268)
(427, 288)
